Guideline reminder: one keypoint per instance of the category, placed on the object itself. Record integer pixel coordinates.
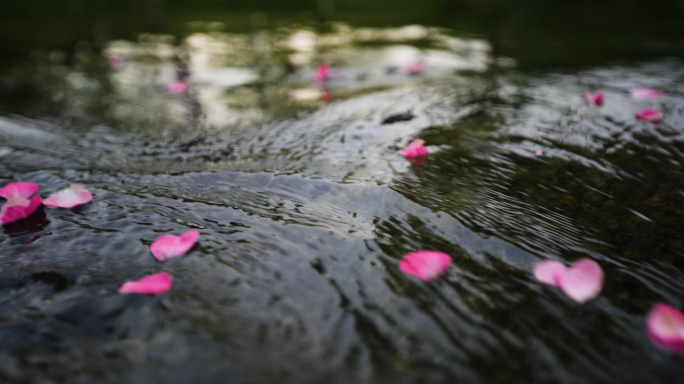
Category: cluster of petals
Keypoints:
(21, 202)
(581, 282)
(595, 98)
(425, 265)
(415, 149)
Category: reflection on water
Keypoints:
(305, 208)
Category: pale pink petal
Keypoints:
(549, 271)
(646, 93)
(116, 62)
(652, 115)
(425, 265)
(70, 197)
(21, 188)
(416, 148)
(171, 246)
(150, 285)
(177, 87)
(665, 326)
(582, 281)
(539, 153)
(595, 99)
(322, 74)
(416, 68)
(17, 208)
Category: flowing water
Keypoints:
(305, 209)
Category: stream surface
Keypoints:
(305, 208)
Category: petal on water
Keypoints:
(649, 114)
(665, 326)
(416, 148)
(171, 246)
(582, 281)
(150, 285)
(17, 208)
(549, 271)
(70, 197)
(21, 188)
(646, 93)
(425, 265)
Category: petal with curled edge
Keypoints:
(70, 197)
(171, 246)
(24, 189)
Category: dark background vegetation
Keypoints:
(536, 32)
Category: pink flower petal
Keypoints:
(582, 281)
(665, 326)
(539, 153)
(177, 87)
(549, 271)
(416, 148)
(415, 68)
(22, 188)
(652, 115)
(425, 265)
(595, 99)
(116, 62)
(322, 74)
(70, 197)
(646, 93)
(17, 208)
(150, 285)
(171, 246)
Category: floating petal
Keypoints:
(177, 87)
(549, 271)
(415, 68)
(416, 148)
(646, 93)
(322, 74)
(17, 208)
(539, 153)
(425, 265)
(150, 285)
(583, 281)
(665, 326)
(116, 61)
(171, 246)
(21, 188)
(70, 197)
(595, 99)
(652, 115)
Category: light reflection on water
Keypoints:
(305, 208)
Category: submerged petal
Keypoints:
(17, 208)
(171, 246)
(425, 265)
(582, 281)
(24, 189)
(70, 197)
(415, 68)
(665, 326)
(416, 148)
(649, 114)
(646, 93)
(151, 285)
(595, 98)
(549, 271)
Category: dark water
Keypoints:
(305, 206)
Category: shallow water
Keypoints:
(306, 207)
